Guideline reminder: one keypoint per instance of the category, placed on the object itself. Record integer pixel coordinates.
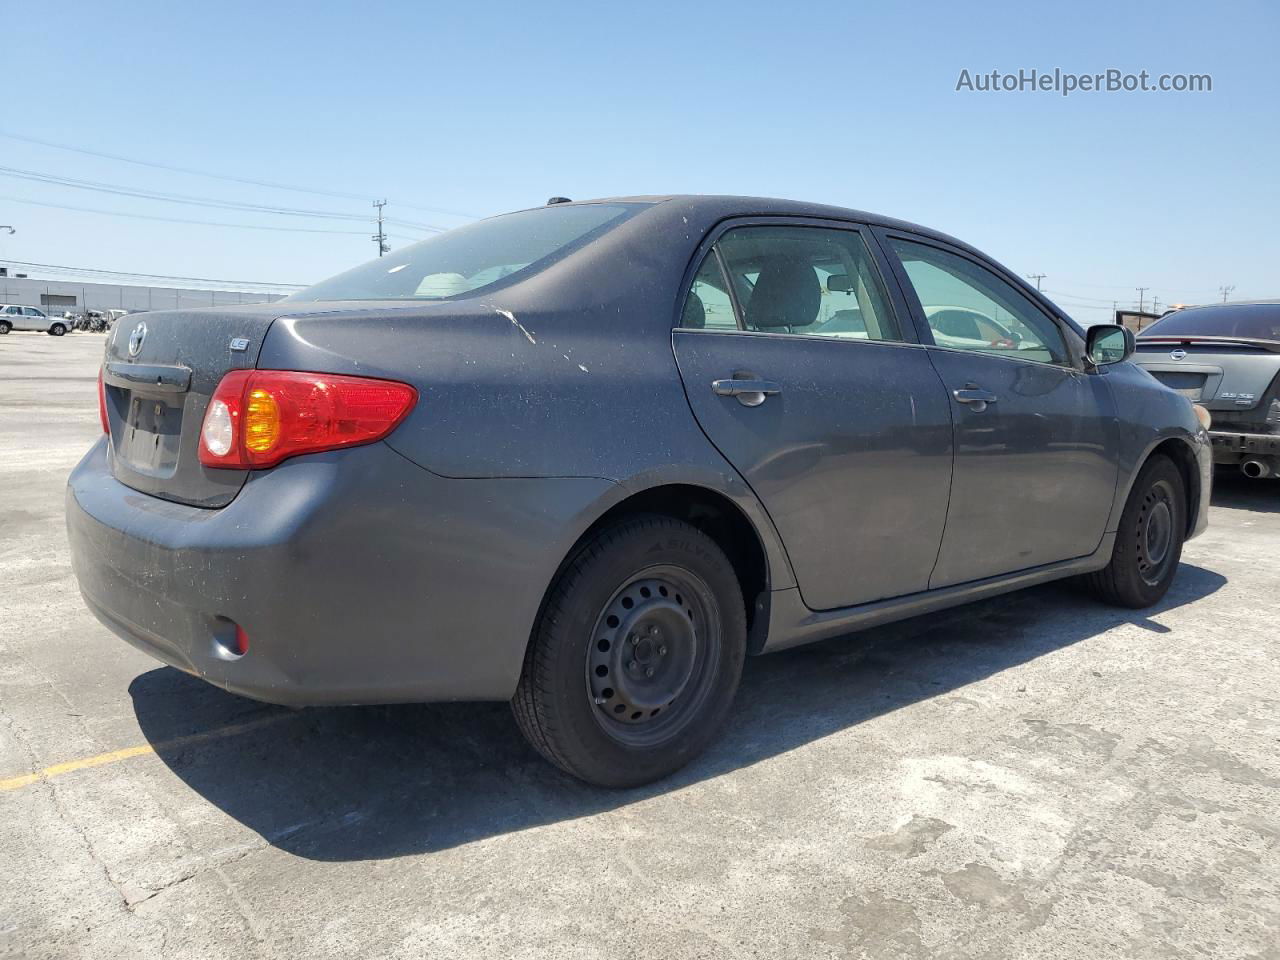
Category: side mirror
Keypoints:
(1109, 343)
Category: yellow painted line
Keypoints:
(148, 749)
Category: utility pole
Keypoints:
(380, 238)
(1155, 304)
(1142, 293)
(1225, 290)
(1037, 277)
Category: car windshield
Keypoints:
(1251, 321)
(475, 257)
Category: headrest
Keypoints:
(695, 314)
(787, 294)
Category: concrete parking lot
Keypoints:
(1034, 776)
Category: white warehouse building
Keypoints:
(62, 296)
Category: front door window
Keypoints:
(968, 307)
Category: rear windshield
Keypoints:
(1251, 321)
(475, 257)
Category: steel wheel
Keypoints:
(1148, 544)
(646, 666)
(1155, 532)
(635, 658)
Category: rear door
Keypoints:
(800, 370)
(1036, 444)
(15, 318)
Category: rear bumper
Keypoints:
(358, 576)
(1230, 447)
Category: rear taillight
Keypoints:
(256, 418)
(102, 404)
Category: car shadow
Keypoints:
(1233, 490)
(360, 783)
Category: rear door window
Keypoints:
(805, 280)
(707, 305)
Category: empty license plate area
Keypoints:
(152, 434)
(1190, 385)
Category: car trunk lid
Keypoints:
(1221, 373)
(159, 371)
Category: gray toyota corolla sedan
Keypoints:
(588, 456)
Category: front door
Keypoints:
(1035, 436)
(799, 371)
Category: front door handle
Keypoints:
(750, 393)
(975, 396)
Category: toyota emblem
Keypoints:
(1178, 354)
(135, 339)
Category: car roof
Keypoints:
(729, 205)
(1228, 306)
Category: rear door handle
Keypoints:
(750, 393)
(975, 396)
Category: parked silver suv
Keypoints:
(15, 317)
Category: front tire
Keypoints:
(1149, 539)
(5, 327)
(57, 330)
(636, 656)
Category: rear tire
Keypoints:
(636, 655)
(1149, 540)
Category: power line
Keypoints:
(1116, 286)
(1103, 300)
(192, 200)
(1076, 296)
(191, 171)
(204, 223)
(1107, 286)
(149, 276)
(101, 187)
(1037, 277)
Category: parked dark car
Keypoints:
(1226, 357)
(586, 457)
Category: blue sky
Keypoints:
(481, 108)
